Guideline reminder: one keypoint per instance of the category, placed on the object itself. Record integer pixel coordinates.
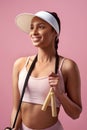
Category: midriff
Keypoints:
(34, 118)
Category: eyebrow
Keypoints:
(39, 23)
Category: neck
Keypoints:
(45, 55)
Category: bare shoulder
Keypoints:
(69, 64)
(31, 58)
(70, 68)
(20, 62)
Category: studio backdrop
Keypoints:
(14, 44)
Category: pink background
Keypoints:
(14, 43)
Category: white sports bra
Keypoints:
(37, 88)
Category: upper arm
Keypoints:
(73, 82)
(15, 77)
(15, 90)
(18, 65)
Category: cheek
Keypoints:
(29, 35)
(46, 36)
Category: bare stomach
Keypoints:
(33, 117)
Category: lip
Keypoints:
(35, 38)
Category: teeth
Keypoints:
(35, 38)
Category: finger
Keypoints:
(54, 78)
(51, 74)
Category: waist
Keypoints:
(56, 126)
(33, 116)
(38, 101)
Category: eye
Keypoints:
(31, 27)
(41, 26)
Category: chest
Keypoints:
(39, 86)
(43, 70)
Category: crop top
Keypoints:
(37, 88)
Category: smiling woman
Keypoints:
(39, 33)
(51, 70)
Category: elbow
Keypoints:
(76, 115)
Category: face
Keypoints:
(41, 33)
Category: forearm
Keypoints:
(18, 122)
(71, 108)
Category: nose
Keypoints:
(35, 30)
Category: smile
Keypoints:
(36, 38)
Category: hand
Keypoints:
(8, 128)
(55, 82)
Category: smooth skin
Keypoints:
(43, 36)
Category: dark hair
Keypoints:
(56, 39)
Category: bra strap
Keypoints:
(61, 63)
(27, 61)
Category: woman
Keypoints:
(44, 29)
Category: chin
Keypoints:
(36, 44)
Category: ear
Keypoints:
(56, 34)
(57, 37)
